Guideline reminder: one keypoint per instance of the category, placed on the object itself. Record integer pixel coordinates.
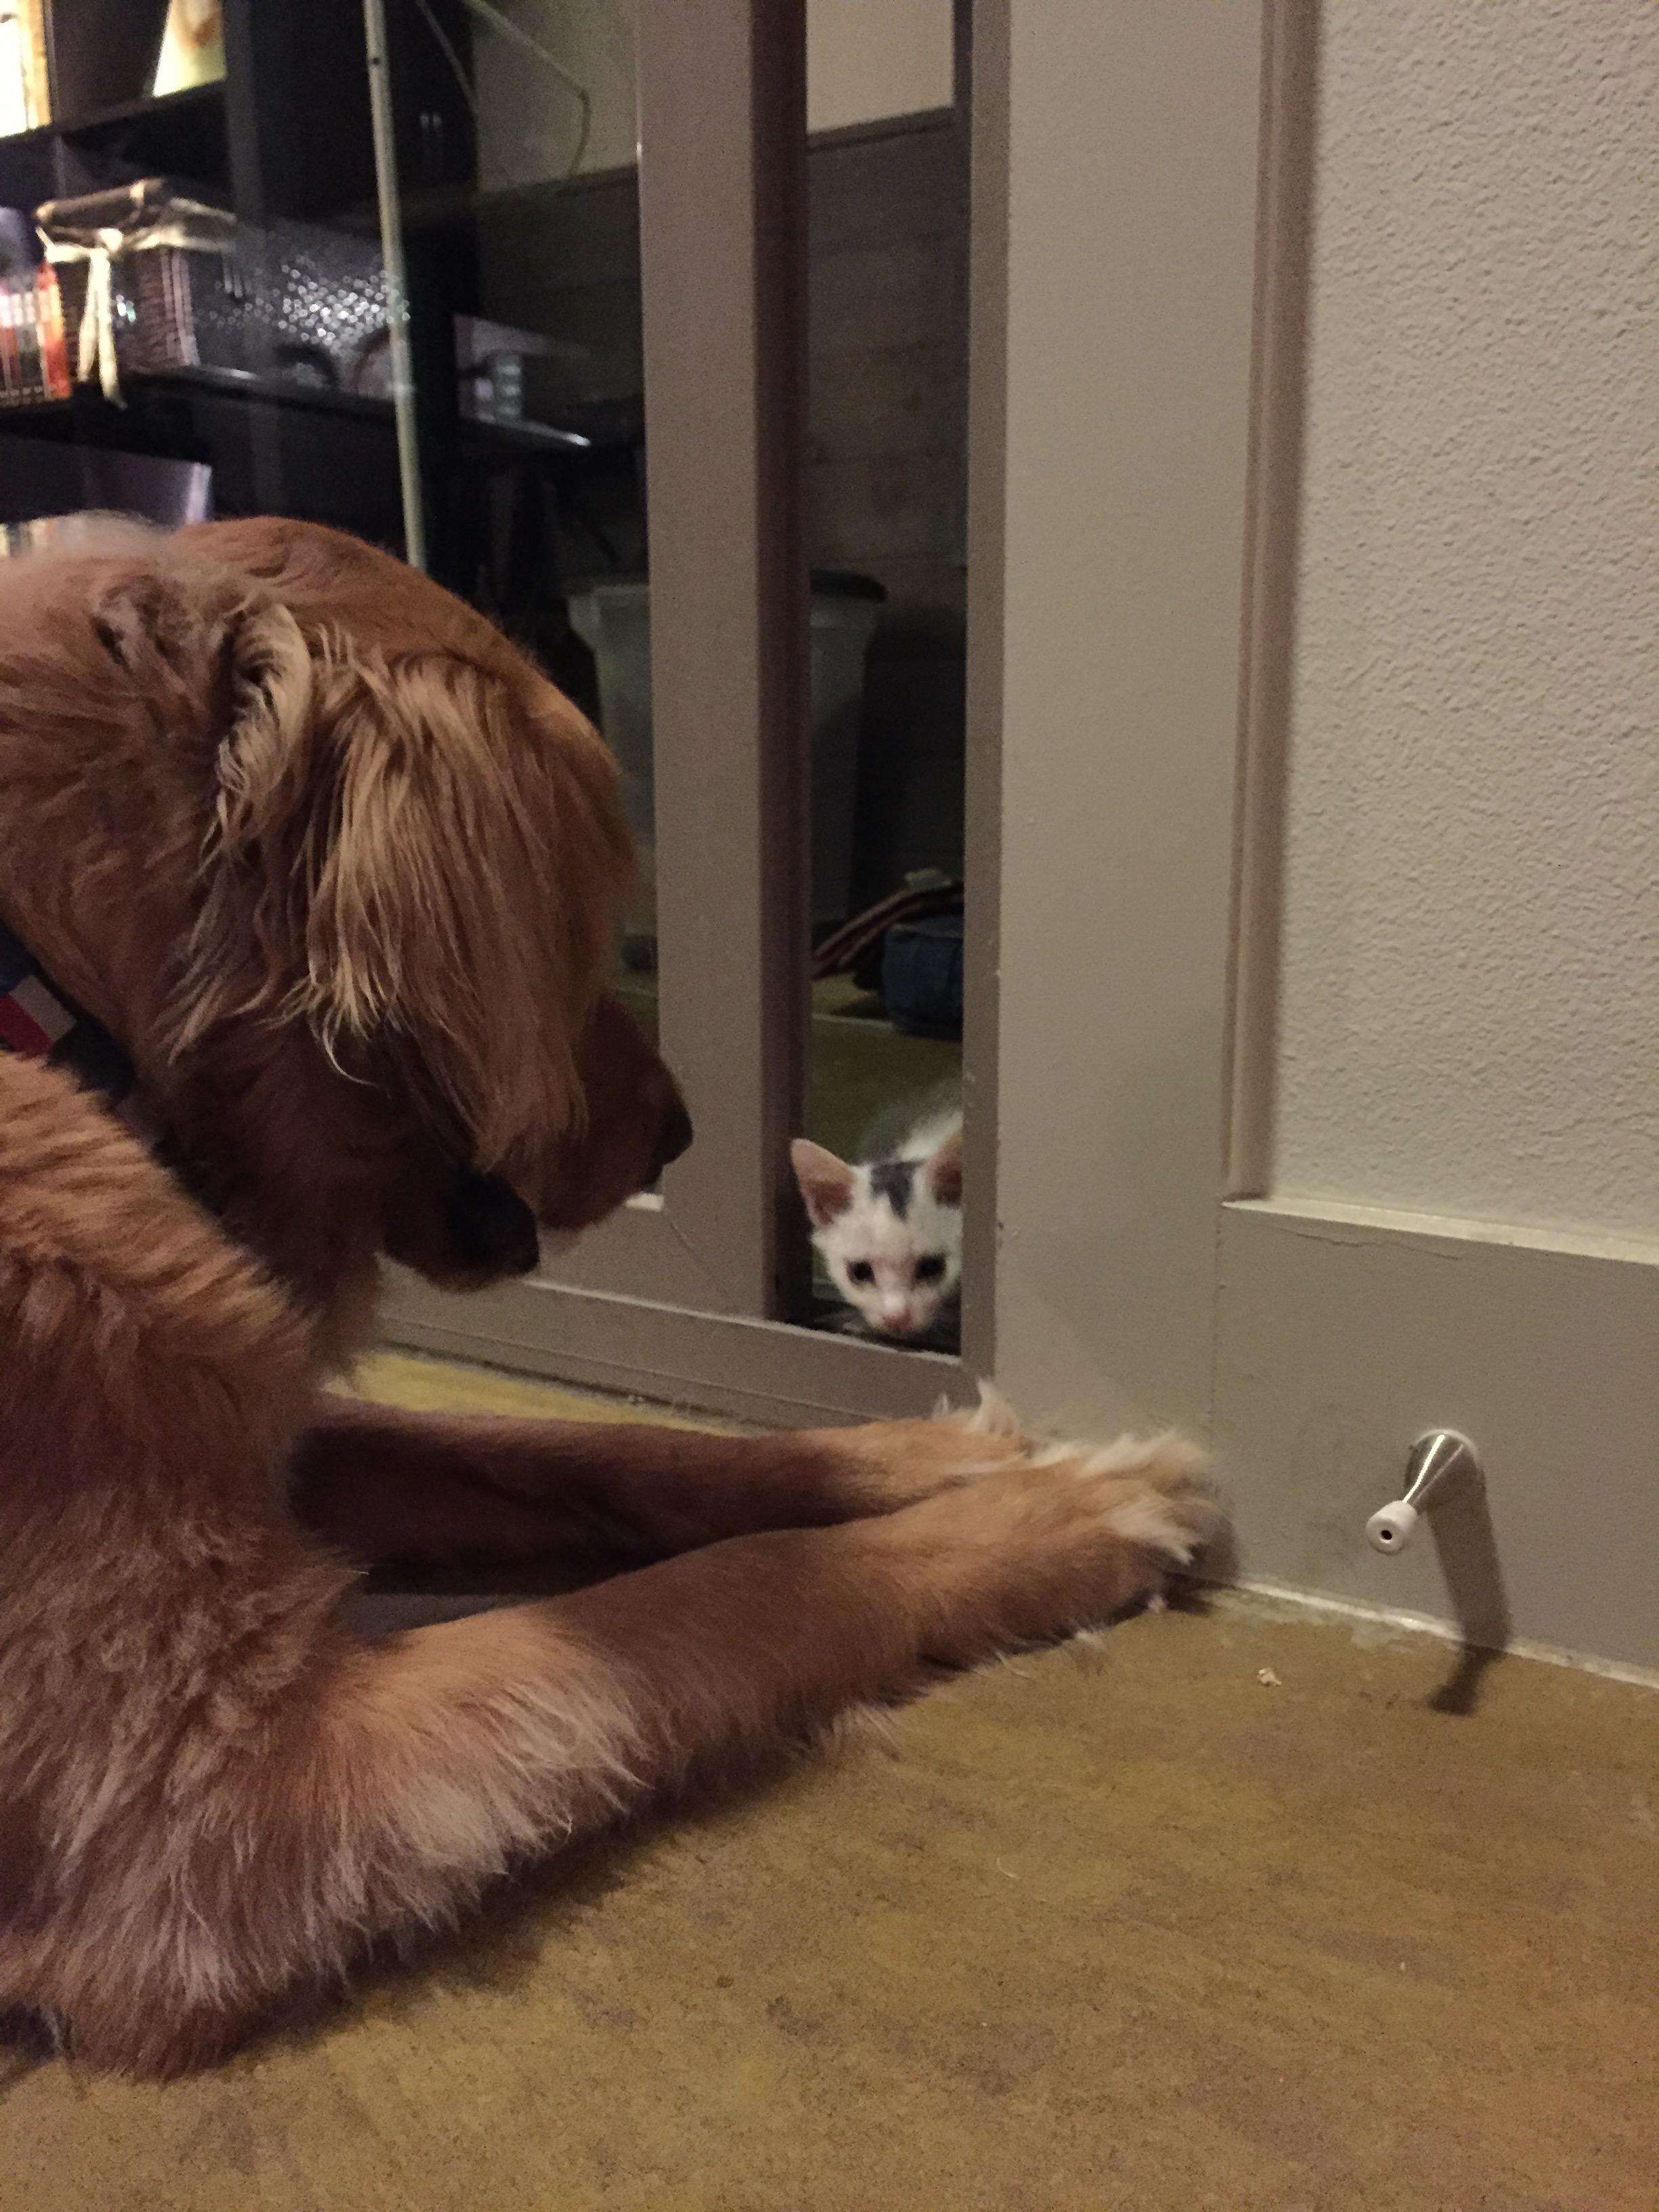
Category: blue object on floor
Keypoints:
(921, 975)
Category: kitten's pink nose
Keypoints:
(895, 1312)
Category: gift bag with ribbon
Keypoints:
(99, 242)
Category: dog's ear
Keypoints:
(421, 857)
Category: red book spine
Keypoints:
(54, 348)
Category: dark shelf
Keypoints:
(171, 108)
(183, 135)
(42, 134)
(524, 439)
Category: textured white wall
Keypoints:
(1469, 994)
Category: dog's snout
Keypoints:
(675, 1138)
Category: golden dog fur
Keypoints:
(339, 869)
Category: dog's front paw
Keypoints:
(892, 1464)
(1061, 1541)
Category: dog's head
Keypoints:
(416, 853)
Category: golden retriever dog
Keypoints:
(337, 870)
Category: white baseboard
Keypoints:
(1420, 1624)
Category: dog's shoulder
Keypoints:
(91, 1225)
(51, 1134)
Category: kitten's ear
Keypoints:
(945, 1170)
(826, 1184)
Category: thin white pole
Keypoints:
(396, 287)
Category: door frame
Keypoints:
(1150, 1270)
(1135, 161)
(682, 1295)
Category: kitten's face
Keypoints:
(891, 1234)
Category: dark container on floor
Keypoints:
(921, 975)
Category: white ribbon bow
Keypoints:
(97, 338)
(180, 227)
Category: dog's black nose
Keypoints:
(674, 1138)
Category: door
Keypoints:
(624, 219)
(1349, 1129)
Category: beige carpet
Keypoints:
(1152, 1932)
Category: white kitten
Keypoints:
(889, 1230)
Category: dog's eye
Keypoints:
(931, 1269)
(860, 1271)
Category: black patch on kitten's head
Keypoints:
(894, 1180)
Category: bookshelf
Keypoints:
(284, 140)
(104, 123)
(282, 135)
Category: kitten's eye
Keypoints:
(860, 1271)
(931, 1269)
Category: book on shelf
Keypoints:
(26, 354)
(25, 85)
(192, 46)
(34, 354)
(28, 329)
(54, 343)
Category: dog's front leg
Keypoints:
(386, 1485)
(391, 1781)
